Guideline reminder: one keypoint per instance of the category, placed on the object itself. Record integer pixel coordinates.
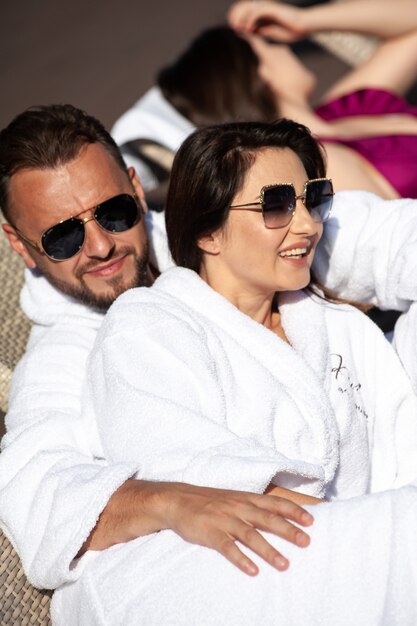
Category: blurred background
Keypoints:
(103, 55)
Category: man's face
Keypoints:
(108, 263)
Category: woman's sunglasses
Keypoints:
(65, 239)
(278, 202)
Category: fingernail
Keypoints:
(251, 569)
(280, 562)
(307, 518)
(302, 540)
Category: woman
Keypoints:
(226, 373)
(368, 130)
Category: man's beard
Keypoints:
(84, 294)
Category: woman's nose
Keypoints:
(302, 221)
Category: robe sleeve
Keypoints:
(368, 251)
(53, 482)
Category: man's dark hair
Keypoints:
(209, 170)
(47, 137)
(217, 80)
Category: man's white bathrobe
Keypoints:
(368, 253)
(192, 390)
(54, 481)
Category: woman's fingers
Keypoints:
(275, 20)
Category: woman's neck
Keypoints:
(261, 307)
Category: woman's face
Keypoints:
(252, 259)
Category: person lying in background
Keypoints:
(368, 129)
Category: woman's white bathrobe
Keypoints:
(191, 389)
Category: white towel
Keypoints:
(151, 117)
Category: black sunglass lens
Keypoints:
(278, 205)
(319, 198)
(64, 240)
(117, 214)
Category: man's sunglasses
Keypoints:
(278, 202)
(65, 239)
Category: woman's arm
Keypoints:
(393, 64)
(287, 23)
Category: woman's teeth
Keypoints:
(294, 252)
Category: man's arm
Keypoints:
(214, 518)
(367, 252)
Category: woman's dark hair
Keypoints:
(209, 170)
(216, 80)
(47, 137)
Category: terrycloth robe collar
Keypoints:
(302, 369)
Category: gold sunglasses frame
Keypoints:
(302, 197)
(39, 246)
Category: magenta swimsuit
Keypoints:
(395, 156)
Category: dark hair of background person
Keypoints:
(209, 170)
(47, 137)
(216, 80)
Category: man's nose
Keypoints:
(98, 243)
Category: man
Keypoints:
(75, 216)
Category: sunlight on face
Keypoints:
(253, 261)
(108, 263)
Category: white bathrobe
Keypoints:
(54, 482)
(190, 389)
(368, 253)
(178, 365)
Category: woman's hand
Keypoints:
(274, 20)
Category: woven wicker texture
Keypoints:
(352, 48)
(20, 603)
(14, 326)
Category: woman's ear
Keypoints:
(211, 244)
(18, 245)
